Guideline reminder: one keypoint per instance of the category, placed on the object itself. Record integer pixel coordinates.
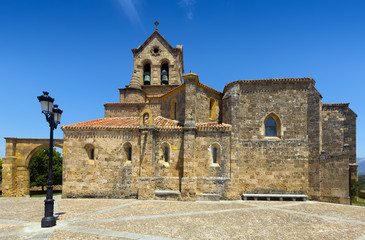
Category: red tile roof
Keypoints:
(213, 126)
(105, 123)
(129, 123)
(165, 123)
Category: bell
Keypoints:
(164, 79)
(147, 79)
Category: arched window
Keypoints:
(173, 113)
(215, 156)
(128, 151)
(165, 153)
(146, 119)
(147, 74)
(165, 74)
(90, 150)
(215, 153)
(271, 127)
(212, 108)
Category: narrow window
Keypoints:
(166, 154)
(147, 74)
(90, 151)
(270, 127)
(92, 154)
(211, 108)
(129, 157)
(215, 155)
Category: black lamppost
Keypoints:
(53, 116)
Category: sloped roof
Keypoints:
(213, 126)
(134, 123)
(105, 123)
(165, 123)
(155, 34)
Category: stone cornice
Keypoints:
(212, 90)
(342, 107)
(124, 104)
(163, 96)
(272, 81)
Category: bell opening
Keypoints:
(147, 74)
(165, 74)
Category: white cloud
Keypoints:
(130, 9)
(188, 5)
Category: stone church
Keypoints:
(171, 136)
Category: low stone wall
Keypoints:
(362, 194)
(55, 187)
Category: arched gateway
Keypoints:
(16, 163)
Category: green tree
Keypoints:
(362, 181)
(39, 168)
(355, 188)
(1, 169)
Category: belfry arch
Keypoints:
(16, 163)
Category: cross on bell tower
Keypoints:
(156, 23)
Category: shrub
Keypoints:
(355, 188)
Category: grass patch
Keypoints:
(359, 202)
(44, 194)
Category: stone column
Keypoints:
(146, 188)
(189, 181)
(22, 181)
(9, 169)
(235, 117)
(9, 181)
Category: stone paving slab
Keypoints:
(70, 208)
(150, 208)
(333, 210)
(160, 220)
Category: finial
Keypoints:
(190, 71)
(156, 23)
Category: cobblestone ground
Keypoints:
(134, 219)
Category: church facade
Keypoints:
(172, 137)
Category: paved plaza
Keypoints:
(20, 218)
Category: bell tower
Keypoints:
(157, 63)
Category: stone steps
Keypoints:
(167, 195)
(274, 197)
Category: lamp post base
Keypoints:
(48, 222)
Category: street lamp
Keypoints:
(53, 117)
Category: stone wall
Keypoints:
(213, 178)
(123, 109)
(109, 174)
(334, 178)
(167, 107)
(269, 164)
(131, 95)
(203, 98)
(339, 128)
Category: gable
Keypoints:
(152, 39)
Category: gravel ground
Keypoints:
(134, 219)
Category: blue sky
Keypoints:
(79, 51)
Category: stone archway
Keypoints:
(19, 152)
